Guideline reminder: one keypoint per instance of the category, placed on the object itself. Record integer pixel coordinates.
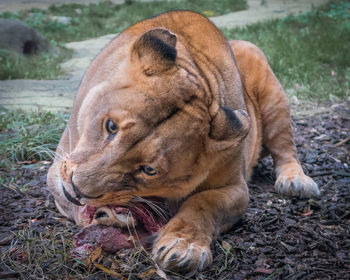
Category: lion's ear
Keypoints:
(228, 128)
(155, 51)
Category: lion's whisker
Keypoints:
(45, 150)
(70, 138)
(153, 205)
(139, 209)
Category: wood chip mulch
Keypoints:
(279, 237)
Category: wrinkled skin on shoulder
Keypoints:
(167, 111)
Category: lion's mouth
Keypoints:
(70, 198)
(119, 227)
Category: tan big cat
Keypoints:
(171, 110)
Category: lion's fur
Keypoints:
(178, 95)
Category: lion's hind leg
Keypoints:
(265, 91)
(278, 139)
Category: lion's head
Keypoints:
(148, 121)
(149, 132)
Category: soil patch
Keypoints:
(279, 238)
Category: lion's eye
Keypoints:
(148, 170)
(111, 127)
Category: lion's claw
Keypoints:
(178, 254)
(299, 185)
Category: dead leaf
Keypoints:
(31, 166)
(147, 273)
(263, 270)
(62, 220)
(27, 161)
(288, 247)
(6, 241)
(14, 188)
(13, 250)
(226, 246)
(47, 203)
(162, 274)
(110, 272)
(308, 213)
(115, 266)
(95, 254)
(18, 254)
(342, 142)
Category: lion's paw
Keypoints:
(173, 252)
(296, 185)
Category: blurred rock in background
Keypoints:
(17, 36)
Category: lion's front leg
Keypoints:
(184, 243)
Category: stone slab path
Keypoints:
(58, 95)
(19, 5)
(260, 10)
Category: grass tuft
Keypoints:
(87, 21)
(30, 136)
(41, 66)
(309, 53)
(48, 254)
(105, 17)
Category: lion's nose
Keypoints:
(79, 194)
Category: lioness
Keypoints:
(171, 111)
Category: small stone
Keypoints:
(61, 19)
(18, 37)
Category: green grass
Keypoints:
(41, 66)
(95, 20)
(30, 136)
(309, 53)
(87, 21)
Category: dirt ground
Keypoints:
(279, 238)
